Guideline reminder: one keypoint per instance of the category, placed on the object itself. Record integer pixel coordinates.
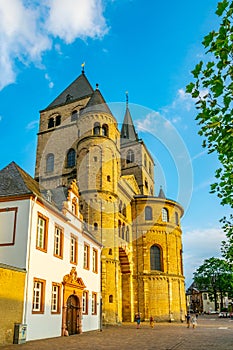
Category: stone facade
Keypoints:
(140, 233)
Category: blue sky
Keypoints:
(145, 47)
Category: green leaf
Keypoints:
(189, 88)
(197, 69)
(221, 7)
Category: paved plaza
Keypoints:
(211, 333)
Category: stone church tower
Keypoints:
(141, 236)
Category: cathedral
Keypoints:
(140, 232)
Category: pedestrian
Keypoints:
(138, 319)
(188, 317)
(194, 321)
(152, 322)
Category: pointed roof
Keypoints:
(15, 181)
(161, 193)
(128, 132)
(96, 103)
(77, 90)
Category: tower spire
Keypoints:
(83, 65)
(127, 98)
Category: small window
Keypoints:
(119, 228)
(58, 120)
(130, 156)
(95, 226)
(145, 160)
(50, 163)
(146, 183)
(150, 171)
(124, 210)
(95, 260)
(110, 298)
(55, 298)
(123, 231)
(96, 129)
(42, 232)
(58, 242)
(79, 133)
(120, 207)
(71, 158)
(73, 249)
(105, 130)
(127, 234)
(165, 217)
(95, 159)
(51, 123)
(109, 178)
(110, 251)
(148, 213)
(86, 257)
(155, 258)
(74, 116)
(38, 296)
(85, 302)
(94, 304)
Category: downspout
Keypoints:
(28, 262)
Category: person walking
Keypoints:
(152, 322)
(194, 321)
(138, 320)
(188, 317)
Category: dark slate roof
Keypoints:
(15, 181)
(77, 90)
(96, 104)
(161, 193)
(128, 132)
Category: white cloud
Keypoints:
(28, 28)
(80, 19)
(200, 244)
(32, 125)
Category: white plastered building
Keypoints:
(43, 233)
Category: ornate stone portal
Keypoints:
(73, 287)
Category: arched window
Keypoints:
(58, 120)
(74, 116)
(145, 160)
(96, 129)
(50, 163)
(95, 226)
(165, 217)
(108, 178)
(71, 158)
(105, 130)
(123, 231)
(124, 210)
(127, 234)
(119, 228)
(155, 258)
(148, 213)
(130, 156)
(51, 123)
(150, 168)
(120, 207)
